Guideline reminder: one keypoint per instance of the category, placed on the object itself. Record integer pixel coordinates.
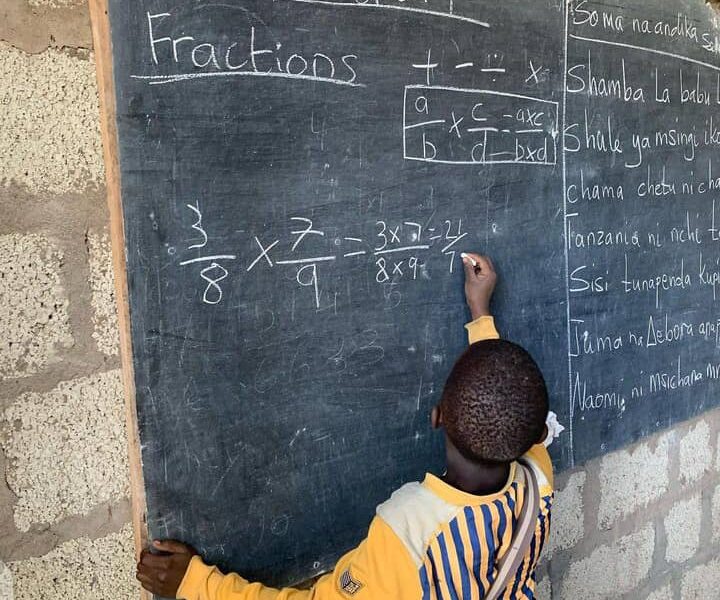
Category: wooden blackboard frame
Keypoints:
(102, 43)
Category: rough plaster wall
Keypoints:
(34, 317)
(49, 123)
(103, 294)
(649, 527)
(716, 515)
(703, 582)
(81, 569)
(696, 456)
(623, 475)
(661, 594)
(56, 3)
(682, 528)
(77, 426)
(64, 509)
(612, 570)
(35, 27)
(543, 589)
(568, 521)
(6, 582)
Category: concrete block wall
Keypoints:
(640, 524)
(64, 508)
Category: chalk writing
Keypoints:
(444, 8)
(639, 233)
(200, 58)
(396, 250)
(464, 126)
(214, 273)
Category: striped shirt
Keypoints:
(456, 540)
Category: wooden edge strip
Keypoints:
(102, 44)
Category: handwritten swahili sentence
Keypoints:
(613, 79)
(678, 375)
(703, 271)
(604, 134)
(678, 28)
(654, 183)
(654, 331)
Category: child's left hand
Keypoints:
(161, 574)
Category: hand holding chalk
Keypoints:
(480, 280)
(465, 255)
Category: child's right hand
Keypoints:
(162, 574)
(480, 283)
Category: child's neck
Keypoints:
(472, 477)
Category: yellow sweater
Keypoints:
(429, 541)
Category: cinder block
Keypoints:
(56, 3)
(682, 529)
(568, 515)
(33, 305)
(664, 593)
(696, 455)
(543, 590)
(78, 425)
(632, 479)
(703, 582)
(81, 569)
(6, 582)
(105, 318)
(49, 122)
(716, 514)
(612, 570)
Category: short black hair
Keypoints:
(495, 402)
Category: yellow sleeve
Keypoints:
(205, 582)
(482, 329)
(539, 455)
(380, 567)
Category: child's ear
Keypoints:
(436, 418)
(544, 435)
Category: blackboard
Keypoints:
(297, 179)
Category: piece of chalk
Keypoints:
(470, 258)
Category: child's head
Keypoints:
(495, 402)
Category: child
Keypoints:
(444, 538)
